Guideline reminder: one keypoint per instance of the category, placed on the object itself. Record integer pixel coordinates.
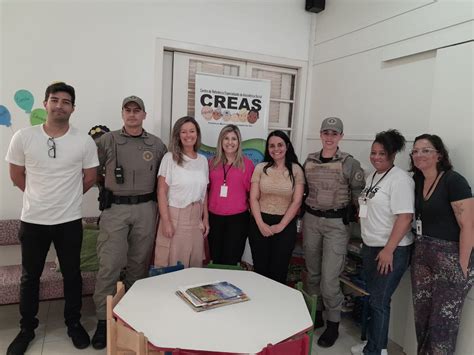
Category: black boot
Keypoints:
(330, 335)
(19, 345)
(319, 321)
(99, 340)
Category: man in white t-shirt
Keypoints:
(53, 164)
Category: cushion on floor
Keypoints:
(51, 283)
(9, 231)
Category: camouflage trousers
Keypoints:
(439, 290)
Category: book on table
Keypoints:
(211, 295)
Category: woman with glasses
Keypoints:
(386, 207)
(182, 198)
(443, 263)
(276, 194)
(229, 185)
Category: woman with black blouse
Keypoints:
(442, 265)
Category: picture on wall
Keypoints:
(244, 102)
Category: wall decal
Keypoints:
(38, 116)
(24, 99)
(5, 117)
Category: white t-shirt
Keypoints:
(393, 195)
(187, 183)
(53, 191)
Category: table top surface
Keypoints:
(274, 312)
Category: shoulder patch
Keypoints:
(359, 176)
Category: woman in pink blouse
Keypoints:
(229, 186)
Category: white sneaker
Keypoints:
(357, 349)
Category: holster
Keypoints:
(105, 198)
(350, 215)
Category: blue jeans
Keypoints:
(381, 289)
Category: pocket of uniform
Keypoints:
(101, 240)
(341, 252)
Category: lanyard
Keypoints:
(378, 182)
(226, 172)
(420, 198)
(431, 187)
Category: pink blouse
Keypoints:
(238, 187)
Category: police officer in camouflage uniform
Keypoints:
(130, 158)
(335, 180)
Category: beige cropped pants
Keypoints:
(187, 243)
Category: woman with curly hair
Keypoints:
(386, 207)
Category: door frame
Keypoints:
(301, 110)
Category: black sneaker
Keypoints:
(19, 345)
(79, 336)
(99, 340)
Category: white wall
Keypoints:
(377, 64)
(106, 50)
(397, 64)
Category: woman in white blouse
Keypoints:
(182, 198)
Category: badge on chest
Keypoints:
(224, 189)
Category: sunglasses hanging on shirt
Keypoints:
(52, 147)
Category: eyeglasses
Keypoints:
(52, 148)
(422, 151)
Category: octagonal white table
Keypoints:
(274, 313)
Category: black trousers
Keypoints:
(227, 237)
(271, 255)
(35, 242)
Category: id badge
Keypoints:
(363, 210)
(418, 226)
(224, 189)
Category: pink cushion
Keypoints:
(51, 283)
(9, 231)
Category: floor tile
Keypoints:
(10, 313)
(88, 306)
(35, 350)
(56, 331)
(56, 310)
(7, 336)
(349, 335)
(65, 347)
(51, 337)
(9, 328)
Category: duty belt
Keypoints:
(133, 200)
(339, 213)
